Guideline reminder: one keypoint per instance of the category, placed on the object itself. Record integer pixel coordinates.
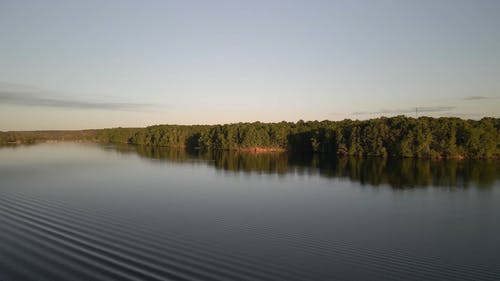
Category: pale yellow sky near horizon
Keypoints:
(95, 64)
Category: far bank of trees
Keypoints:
(398, 136)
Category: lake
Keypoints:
(103, 212)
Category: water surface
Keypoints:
(95, 212)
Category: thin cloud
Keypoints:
(475, 116)
(360, 113)
(472, 98)
(16, 87)
(16, 94)
(427, 109)
(436, 108)
(16, 99)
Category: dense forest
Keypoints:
(398, 136)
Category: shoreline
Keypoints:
(248, 150)
(399, 137)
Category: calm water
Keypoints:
(93, 212)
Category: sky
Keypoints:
(97, 64)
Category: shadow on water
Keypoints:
(397, 173)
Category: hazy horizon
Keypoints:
(235, 122)
(100, 64)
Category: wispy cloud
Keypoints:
(8, 86)
(16, 94)
(468, 115)
(427, 109)
(472, 98)
(435, 108)
(360, 113)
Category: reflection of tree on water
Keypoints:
(398, 173)
(406, 172)
(262, 163)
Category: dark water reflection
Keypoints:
(397, 173)
(103, 212)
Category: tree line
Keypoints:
(398, 136)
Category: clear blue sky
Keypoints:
(93, 64)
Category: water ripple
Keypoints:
(58, 242)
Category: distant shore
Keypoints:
(400, 136)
